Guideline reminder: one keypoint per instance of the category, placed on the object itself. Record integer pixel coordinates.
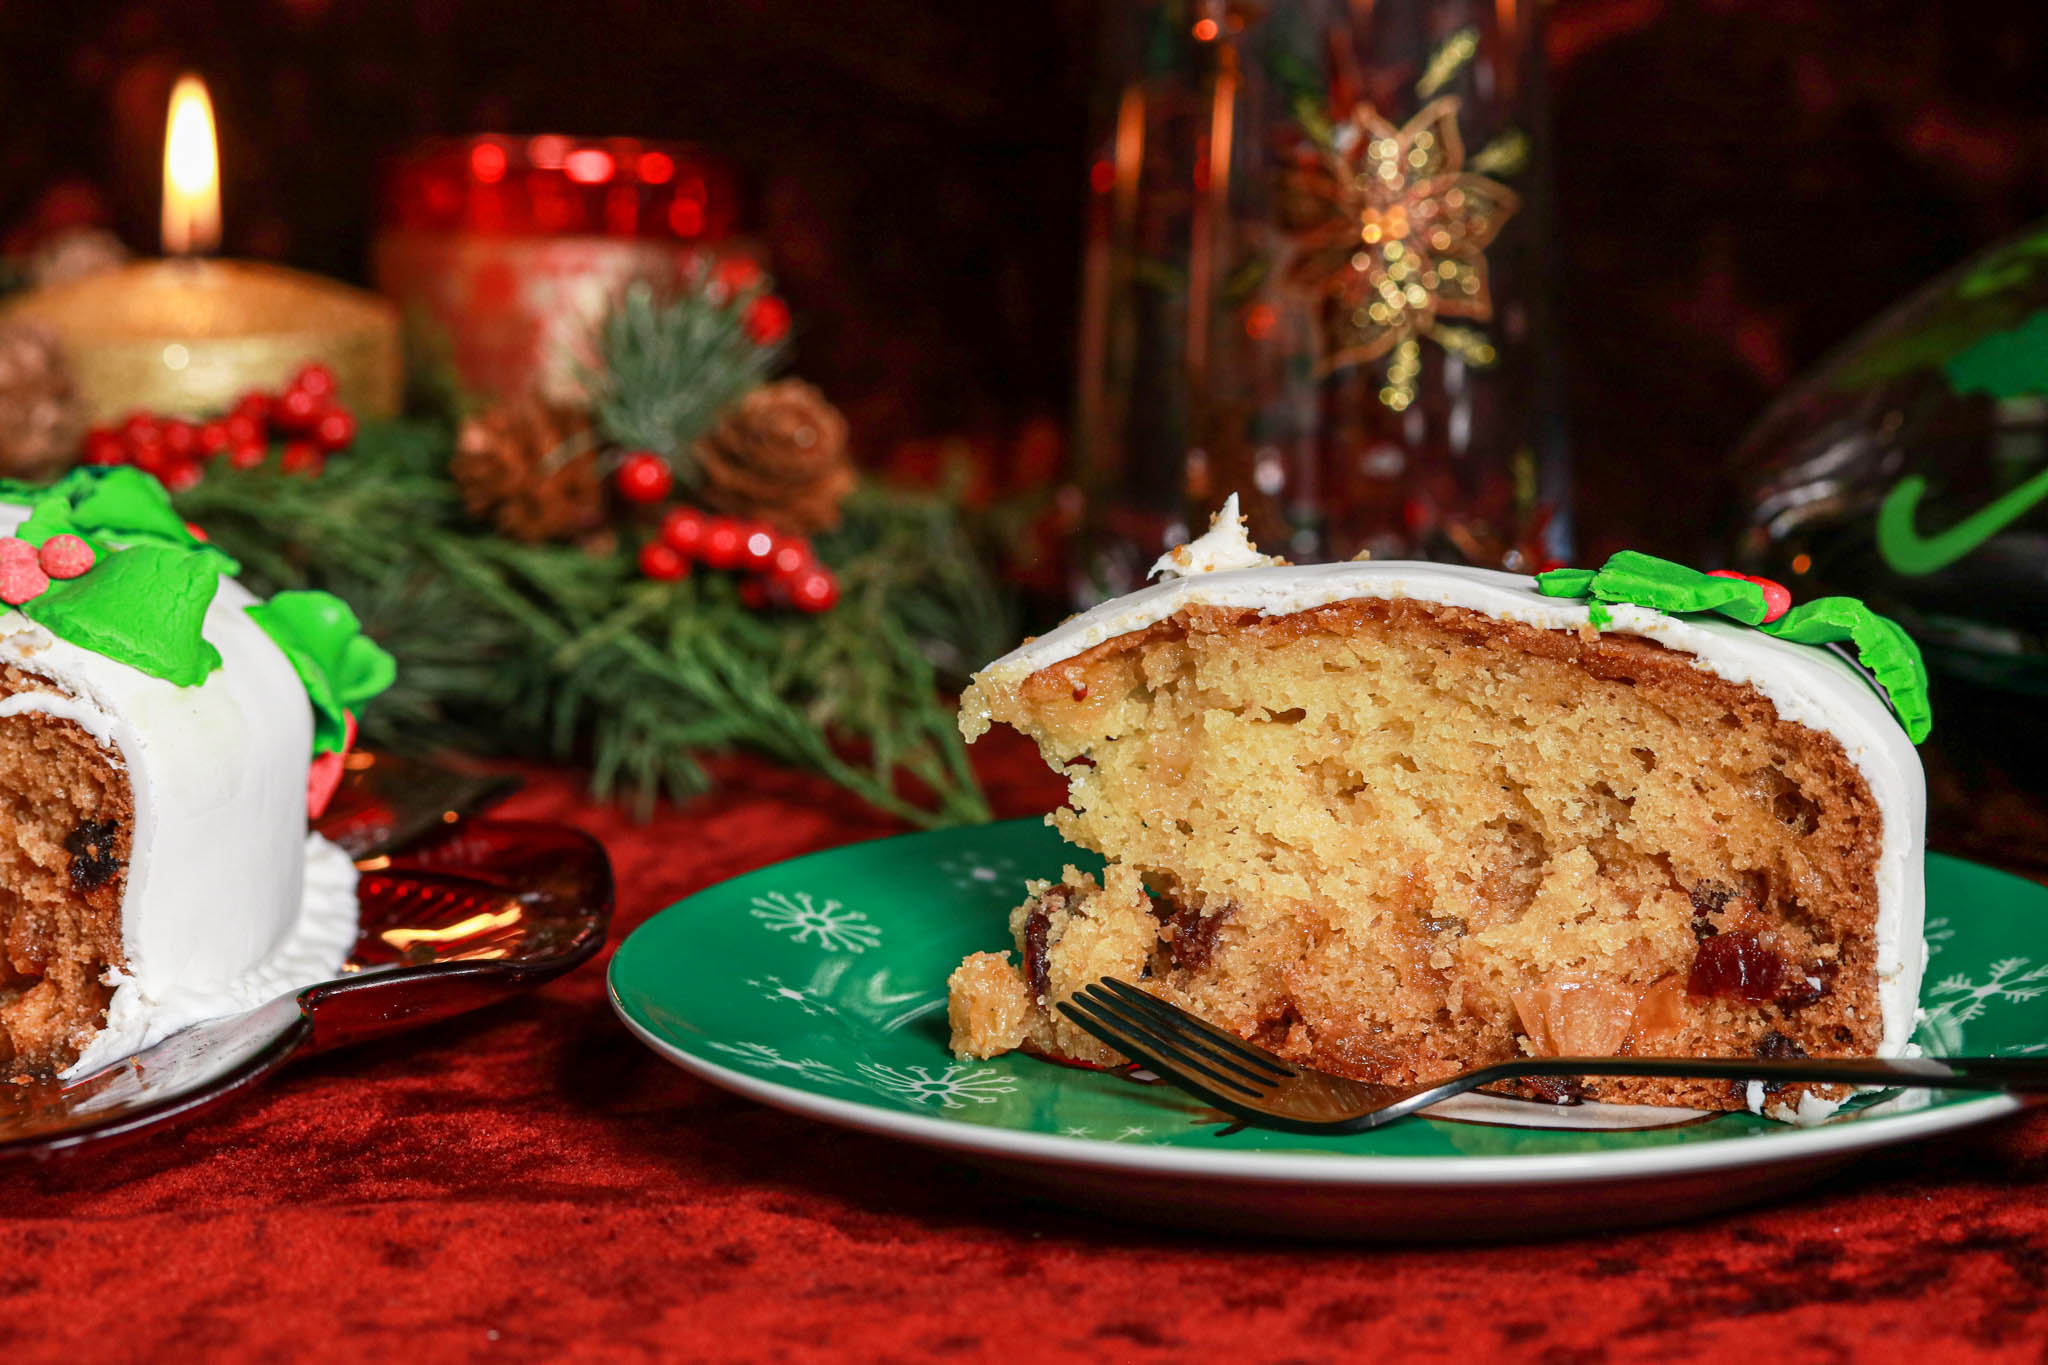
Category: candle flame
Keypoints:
(191, 220)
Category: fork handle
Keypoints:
(2020, 1075)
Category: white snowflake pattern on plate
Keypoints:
(824, 922)
(764, 1058)
(967, 871)
(2007, 982)
(775, 988)
(1939, 931)
(952, 1087)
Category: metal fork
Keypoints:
(1263, 1090)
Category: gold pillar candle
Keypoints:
(188, 335)
(191, 336)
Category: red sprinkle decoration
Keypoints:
(1777, 597)
(21, 576)
(65, 556)
(644, 477)
(662, 564)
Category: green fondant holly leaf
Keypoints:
(340, 666)
(144, 607)
(1882, 645)
(1646, 581)
(113, 506)
(1566, 582)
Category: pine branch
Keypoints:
(667, 368)
(546, 650)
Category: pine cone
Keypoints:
(531, 469)
(40, 417)
(779, 454)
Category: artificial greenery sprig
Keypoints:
(669, 365)
(547, 649)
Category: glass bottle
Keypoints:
(1313, 277)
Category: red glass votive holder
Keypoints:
(513, 247)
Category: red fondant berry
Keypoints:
(661, 563)
(21, 576)
(1777, 597)
(757, 548)
(197, 532)
(65, 556)
(814, 590)
(180, 438)
(682, 530)
(644, 477)
(213, 438)
(767, 320)
(302, 457)
(248, 454)
(297, 410)
(723, 541)
(335, 430)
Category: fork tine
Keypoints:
(1228, 1044)
(1142, 1045)
(1180, 1027)
(1168, 1033)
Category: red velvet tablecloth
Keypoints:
(529, 1183)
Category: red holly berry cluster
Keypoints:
(305, 416)
(782, 570)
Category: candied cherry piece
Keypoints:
(1735, 964)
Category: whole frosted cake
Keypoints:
(1395, 820)
(163, 737)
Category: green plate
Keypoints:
(818, 985)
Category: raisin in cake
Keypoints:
(161, 736)
(1395, 820)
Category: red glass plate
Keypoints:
(470, 913)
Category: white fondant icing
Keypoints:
(1808, 686)
(1223, 546)
(221, 899)
(312, 950)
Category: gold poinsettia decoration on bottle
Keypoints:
(1391, 233)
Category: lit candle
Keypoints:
(189, 335)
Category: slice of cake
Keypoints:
(1396, 820)
(163, 736)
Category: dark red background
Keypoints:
(1741, 183)
(531, 1184)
